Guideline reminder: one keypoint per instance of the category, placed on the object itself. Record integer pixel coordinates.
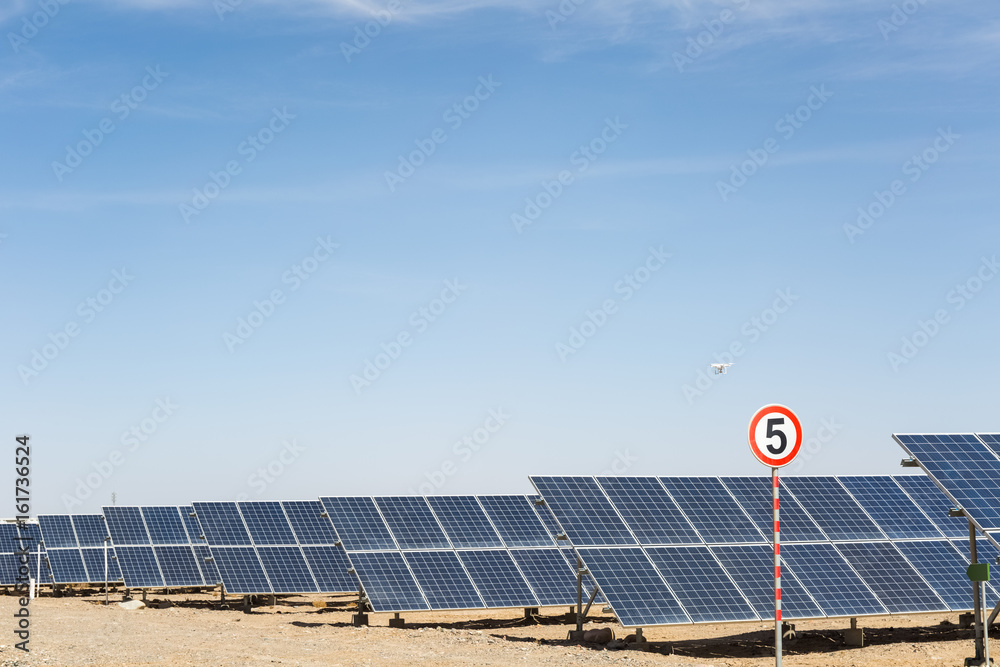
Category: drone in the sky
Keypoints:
(720, 369)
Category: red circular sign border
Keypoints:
(768, 409)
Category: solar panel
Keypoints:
(164, 524)
(31, 540)
(178, 565)
(411, 522)
(191, 525)
(545, 570)
(90, 529)
(9, 570)
(57, 531)
(317, 538)
(900, 588)
(240, 569)
(222, 524)
(547, 517)
(928, 497)
(308, 524)
(712, 509)
(648, 510)
(331, 568)
(93, 560)
(634, 587)
(833, 508)
(209, 571)
(965, 467)
(126, 525)
(287, 570)
(139, 567)
(992, 441)
(358, 523)
(443, 580)
(892, 510)
(701, 584)
(498, 579)
(516, 521)
(833, 584)
(464, 522)
(943, 568)
(387, 581)
(583, 510)
(267, 523)
(8, 538)
(752, 568)
(985, 553)
(756, 496)
(67, 566)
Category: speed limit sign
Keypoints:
(775, 435)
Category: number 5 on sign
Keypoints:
(775, 436)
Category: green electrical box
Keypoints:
(979, 572)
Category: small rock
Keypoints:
(132, 605)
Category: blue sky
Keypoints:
(186, 168)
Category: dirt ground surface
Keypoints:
(80, 630)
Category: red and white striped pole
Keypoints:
(777, 572)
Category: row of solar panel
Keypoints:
(624, 511)
(967, 465)
(14, 540)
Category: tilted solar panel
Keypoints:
(701, 584)
(712, 509)
(464, 522)
(516, 521)
(752, 568)
(833, 508)
(583, 510)
(929, 498)
(648, 510)
(387, 581)
(830, 579)
(756, 496)
(633, 587)
(894, 581)
(886, 503)
(944, 569)
(411, 522)
(358, 523)
(498, 578)
(443, 580)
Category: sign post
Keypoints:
(775, 438)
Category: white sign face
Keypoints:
(775, 436)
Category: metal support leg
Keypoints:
(977, 601)
(590, 602)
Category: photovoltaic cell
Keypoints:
(138, 566)
(545, 570)
(713, 511)
(944, 568)
(179, 566)
(831, 581)
(992, 441)
(267, 523)
(464, 521)
(701, 584)
(93, 560)
(443, 580)
(633, 587)
(967, 468)
(57, 531)
(287, 570)
(358, 523)
(516, 521)
(330, 567)
(308, 524)
(756, 496)
(499, 581)
(411, 522)
(126, 526)
(583, 511)
(836, 512)
(240, 569)
(164, 524)
(752, 568)
(222, 525)
(387, 581)
(928, 497)
(648, 510)
(8, 538)
(892, 510)
(9, 569)
(900, 588)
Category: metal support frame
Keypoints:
(593, 596)
(978, 599)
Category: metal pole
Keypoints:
(976, 599)
(38, 586)
(986, 628)
(579, 594)
(777, 572)
(105, 573)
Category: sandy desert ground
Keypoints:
(80, 630)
